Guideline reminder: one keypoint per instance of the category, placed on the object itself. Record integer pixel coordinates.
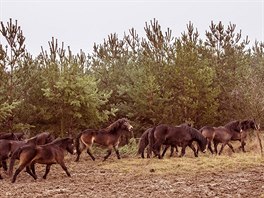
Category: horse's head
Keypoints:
(250, 124)
(125, 125)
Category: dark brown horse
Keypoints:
(182, 136)
(144, 143)
(232, 131)
(222, 134)
(108, 137)
(51, 153)
(7, 147)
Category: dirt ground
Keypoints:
(101, 179)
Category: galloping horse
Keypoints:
(51, 153)
(182, 136)
(108, 137)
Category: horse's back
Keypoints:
(222, 134)
(172, 134)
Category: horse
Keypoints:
(221, 134)
(7, 147)
(108, 137)
(51, 153)
(144, 142)
(232, 131)
(182, 136)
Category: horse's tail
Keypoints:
(151, 138)
(15, 155)
(199, 138)
(77, 143)
(143, 143)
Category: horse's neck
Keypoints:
(119, 132)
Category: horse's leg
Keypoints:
(222, 147)
(64, 168)
(183, 151)
(148, 152)
(164, 150)
(194, 150)
(18, 170)
(209, 146)
(156, 149)
(79, 151)
(142, 155)
(32, 168)
(177, 151)
(117, 152)
(90, 153)
(109, 151)
(172, 151)
(4, 164)
(215, 147)
(243, 143)
(231, 147)
(30, 173)
(47, 171)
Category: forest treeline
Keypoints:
(158, 78)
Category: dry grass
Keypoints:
(187, 165)
(205, 163)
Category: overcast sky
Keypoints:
(80, 23)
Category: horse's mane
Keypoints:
(233, 125)
(112, 128)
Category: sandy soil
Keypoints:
(92, 179)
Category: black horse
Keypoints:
(108, 137)
(182, 136)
